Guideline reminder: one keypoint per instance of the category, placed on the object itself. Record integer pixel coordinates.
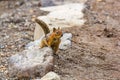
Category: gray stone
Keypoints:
(19, 3)
(65, 41)
(31, 63)
(4, 15)
(2, 46)
(51, 76)
(45, 3)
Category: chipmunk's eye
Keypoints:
(57, 32)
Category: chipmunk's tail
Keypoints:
(43, 25)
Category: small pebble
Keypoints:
(2, 46)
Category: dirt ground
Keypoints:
(95, 50)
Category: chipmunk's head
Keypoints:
(58, 32)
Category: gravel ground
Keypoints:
(95, 50)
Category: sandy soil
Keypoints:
(95, 50)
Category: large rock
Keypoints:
(31, 63)
(51, 76)
(67, 15)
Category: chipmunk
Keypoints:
(50, 39)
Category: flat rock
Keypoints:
(31, 63)
(67, 15)
(51, 76)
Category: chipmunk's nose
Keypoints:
(62, 35)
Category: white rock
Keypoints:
(67, 15)
(51, 76)
(66, 36)
(65, 44)
(74, 6)
(65, 41)
(30, 63)
(34, 44)
(38, 32)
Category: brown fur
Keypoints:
(51, 39)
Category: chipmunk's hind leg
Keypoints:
(44, 43)
(56, 47)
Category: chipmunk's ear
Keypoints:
(54, 29)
